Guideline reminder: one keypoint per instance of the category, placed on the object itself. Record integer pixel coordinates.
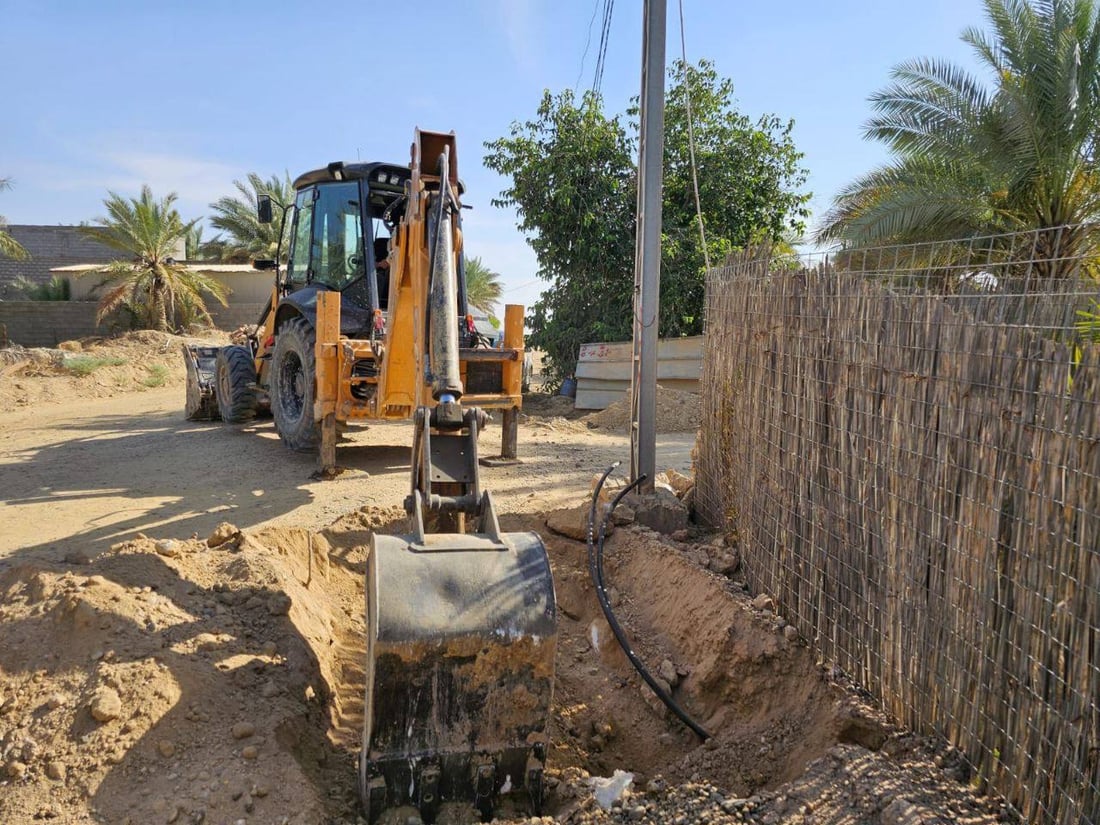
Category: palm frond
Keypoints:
(974, 157)
(9, 246)
(116, 297)
(236, 216)
(483, 287)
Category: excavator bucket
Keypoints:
(201, 404)
(460, 672)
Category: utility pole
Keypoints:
(647, 251)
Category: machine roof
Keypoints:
(339, 170)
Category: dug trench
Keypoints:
(734, 667)
(221, 680)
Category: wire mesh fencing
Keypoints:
(907, 441)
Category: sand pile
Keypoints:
(677, 412)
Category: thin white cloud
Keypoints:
(197, 183)
(518, 20)
(193, 179)
(123, 166)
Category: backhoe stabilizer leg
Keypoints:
(327, 455)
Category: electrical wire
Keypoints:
(691, 138)
(521, 286)
(587, 43)
(601, 53)
(595, 571)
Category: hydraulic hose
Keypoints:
(595, 571)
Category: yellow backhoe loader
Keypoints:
(368, 320)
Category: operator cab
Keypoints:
(339, 228)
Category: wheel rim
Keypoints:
(225, 387)
(292, 382)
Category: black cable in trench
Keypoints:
(595, 570)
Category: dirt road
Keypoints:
(84, 477)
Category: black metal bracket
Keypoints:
(445, 469)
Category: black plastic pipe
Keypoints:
(595, 571)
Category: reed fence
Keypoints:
(907, 441)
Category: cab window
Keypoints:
(297, 269)
(337, 248)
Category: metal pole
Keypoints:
(647, 252)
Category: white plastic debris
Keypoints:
(594, 635)
(607, 789)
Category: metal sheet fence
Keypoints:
(908, 443)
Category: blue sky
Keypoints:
(188, 96)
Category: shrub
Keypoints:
(87, 364)
(158, 374)
(56, 289)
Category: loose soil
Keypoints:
(93, 368)
(675, 411)
(147, 676)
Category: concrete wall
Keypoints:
(50, 246)
(47, 323)
(604, 370)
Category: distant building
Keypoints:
(50, 247)
(245, 284)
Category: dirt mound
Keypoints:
(677, 412)
(548, 405)
(172, 681)
(164, 682)
(92, 368)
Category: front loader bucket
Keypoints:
(461, 636)
(201, 405)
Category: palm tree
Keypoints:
(248, 238)
(972, 159)
(149, 280)
(483, 287)
(194, 246)
(9, 246)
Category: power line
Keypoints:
(601, 54)
(587, 43)
(691, 138)
(520, 286)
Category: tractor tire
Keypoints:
(294, 385)
(235, 384)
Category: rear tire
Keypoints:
(294, 385)
(235, 384)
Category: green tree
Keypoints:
(483, 288)
(149, 281)
(974, 158)
(248, 238)
(9, 247)
(573, 184)
(750, 183)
